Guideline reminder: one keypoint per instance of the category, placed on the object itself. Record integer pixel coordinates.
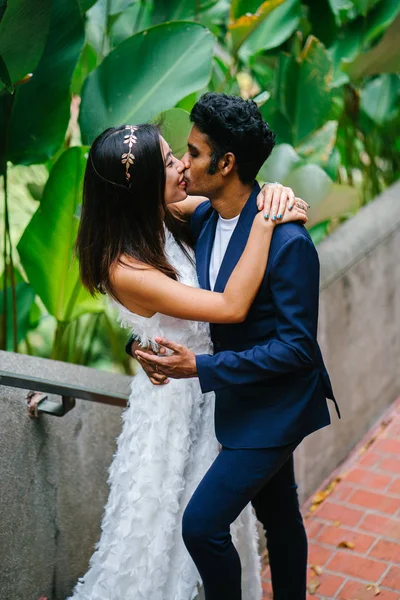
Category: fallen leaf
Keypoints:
(373, 586)
(313, 586)
(321, 495)
(317, 569)
(345, 544)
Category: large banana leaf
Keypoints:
(340, 201)
(303, 100)
(282, 161)
(357, 37)
(84, 5)
(328, 200)
(274, 30)
(382, 58)
(23, 34)
(246, 17)
(175, 127)
(318, 147)
(135, 18)
(47, 245)
(380, 98)
(146, 74)
(178, 10)
(41, 108)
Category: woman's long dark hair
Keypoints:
(120, 218)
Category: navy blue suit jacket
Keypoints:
(268, 374)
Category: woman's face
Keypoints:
(175, 185)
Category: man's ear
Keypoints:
(227, 163)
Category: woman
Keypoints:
(131, 247)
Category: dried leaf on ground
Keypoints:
(317, 569)
(313, 586)
(345, 544)
(373, 586)
(321, 495)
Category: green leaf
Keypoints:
(318, 147)
(146, 74)
(5, 78)
(41, 109)
(134, 19)
(188, 102)
(364, 6)
(84, 5)
(383, 58)
(47, 244)
(319, 231)
(173, 10)
(278, 122)
(86, 64)
(25, 297)
(277, 167)
(380, 98)
(339, 201)
(175, 127)
(311, 183)
(23, 34)
(274, 30)
(244, 23)
(379, 19)
(303, 94)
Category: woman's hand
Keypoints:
(297, 213)
(274, 200)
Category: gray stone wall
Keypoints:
(53, 474)
(359, 332)
(54, 470)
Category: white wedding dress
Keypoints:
(166, 445)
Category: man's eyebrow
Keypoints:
(192, 147)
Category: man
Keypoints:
(267, 372)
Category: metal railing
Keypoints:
(38, 401)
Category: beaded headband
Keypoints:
(128, 158)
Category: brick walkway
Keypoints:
(353, 522)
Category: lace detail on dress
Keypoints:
(166, 445)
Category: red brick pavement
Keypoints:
(353, 522)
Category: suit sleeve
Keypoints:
(294, 280)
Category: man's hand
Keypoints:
(180, 365)
(155, 378)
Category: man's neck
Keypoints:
(230, 200)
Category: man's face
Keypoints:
(199, 181)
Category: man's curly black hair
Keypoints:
(234, 125)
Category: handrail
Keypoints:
(67, 391)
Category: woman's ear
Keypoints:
(228, 163)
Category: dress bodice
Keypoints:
(195, 335)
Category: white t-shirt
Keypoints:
(223, 234)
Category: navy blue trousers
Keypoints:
(264, 477)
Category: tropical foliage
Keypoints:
(325, 74)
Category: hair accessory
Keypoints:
(128, 158)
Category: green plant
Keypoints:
(325, 75)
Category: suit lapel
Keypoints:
(204, 246)
(237, 242)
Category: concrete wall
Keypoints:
(53, 471)
(359, 331)
(53, 474)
